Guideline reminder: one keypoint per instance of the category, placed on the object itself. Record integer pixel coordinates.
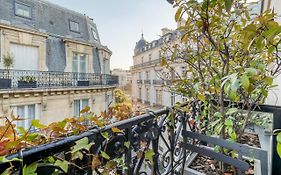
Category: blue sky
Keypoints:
(120, 23)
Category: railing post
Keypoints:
(128, 156)
(184, 120)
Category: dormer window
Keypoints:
(95, 35)
(74, 26)
(23, 10)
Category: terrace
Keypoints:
(159, 142)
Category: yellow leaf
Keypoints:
(201, 97)
(95, 162)
(116, 130)
(85, 110)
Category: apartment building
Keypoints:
(150, 81)
(60, 65)
(124, 77)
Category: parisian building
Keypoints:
(59, 64)
(149, 79)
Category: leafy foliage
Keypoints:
(8, 60)
(13, 138)
(229, 55)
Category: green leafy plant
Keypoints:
(8, 60)
(230, 55)
(28, 79)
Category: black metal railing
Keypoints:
(158, 82)
(162, 131)
(149, 63)
(147, 81)
(139, 81)
(12, 79)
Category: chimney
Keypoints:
(165, 31)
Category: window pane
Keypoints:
(74, 26)
(23, 10)
(76, 108)
(75, 63)
(31, 115)
(21, 114)
(83, 63)
(85, 102)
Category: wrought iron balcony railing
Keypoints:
(165, 135)
(158, 82)
(139, 81)
(149, 63)
(147, 81)
(13, 79)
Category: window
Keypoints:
(95, 35)
(23, 10)
(139, 93)
(74, 26)
(139, 75)
(147, 75)
(147, 94)
(79, 63)
(141, 60)
(78, 105)
(159, 97)
(149, 57)
(26, 112)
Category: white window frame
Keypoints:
(20, 7)
(27, 121)
(74, 26)
(95, 34)
(147, 94)
(79, 61)
(80, 105)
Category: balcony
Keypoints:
(147, 81)
(149, 63)
(17, 79)
(159, 142)
(158, 82)
(139, 81)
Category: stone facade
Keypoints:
(48, 30)
(147, 75)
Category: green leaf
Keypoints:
(62, 164)
(268, 80)
(278, 138)
(163, 62)
(231, 111)
(279, 149)
(251, 71)
(31, 137)
(82, 144)
(105, 135)
(105, 155)
(245, 82)
(51, 159)
(37, 124)
(21, 130)
(228, 122)
(228, 4)
(30, 169)
(201, 97)
(76, 155)
(127, 144)
(235, 84)
(178, 14)
(149, 155)
(7, 171)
